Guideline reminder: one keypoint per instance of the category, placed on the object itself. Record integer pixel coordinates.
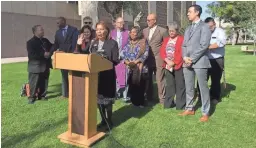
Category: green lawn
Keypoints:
(233, 124)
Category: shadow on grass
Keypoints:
(129, 111)
(55, 87)
(13, 140)
(126, 112)
(225, 92)
(54, 96)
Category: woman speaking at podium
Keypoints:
(107, 48)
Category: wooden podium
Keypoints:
(83, 87)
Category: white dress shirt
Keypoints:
(219, 37)
(64, 30)
(119, 38)
(151, 32)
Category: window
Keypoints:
(72, 2)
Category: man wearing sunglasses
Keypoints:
(88, 21)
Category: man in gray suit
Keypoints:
(155, 35)
(65, 41)
(196, 62)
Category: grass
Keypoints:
(232, 125)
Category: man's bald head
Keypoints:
(151, 20)
(119, 23)
(152, 15)
(119, 19)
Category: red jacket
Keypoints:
(177, 54)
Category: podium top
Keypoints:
(91, 63)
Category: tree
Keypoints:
(219, 9)
(231, 12)
(115, 8)
(87, 8)
(184, 22)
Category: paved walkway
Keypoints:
(13, 60)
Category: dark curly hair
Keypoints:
(139, 33)
(86, 27)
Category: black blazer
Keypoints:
(107, 79)
(36, 48)
(68, 43)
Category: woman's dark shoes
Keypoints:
(171, 106)
(42, 98)
(104, 126)
(31, 101)
(109, 126)
(101, 125)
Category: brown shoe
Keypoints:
(204, 118)
(187, 112)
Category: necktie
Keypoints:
(192, 27)
(64, 32)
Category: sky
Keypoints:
(203, 4)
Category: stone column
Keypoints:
(88, 8)
(169, 11)
(152, 7)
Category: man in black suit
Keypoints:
(37, 63)
(65, 41)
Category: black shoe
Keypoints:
(42, 98)
(109, 126)
(101, 125)
(31, 101)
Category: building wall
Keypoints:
(161, 7)
(19, 17)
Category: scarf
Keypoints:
(137, 69)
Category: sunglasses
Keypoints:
(87, 22)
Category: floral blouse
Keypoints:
(129, 53)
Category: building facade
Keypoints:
(18, 17)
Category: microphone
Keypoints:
(92, 42)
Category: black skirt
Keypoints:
(107, 87)
(137, 90)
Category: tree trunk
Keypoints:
(254, 49)
(89, 8)
(220, 23)
(245, 37)
(235, 37)
(240, 36)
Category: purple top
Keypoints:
(121, 68)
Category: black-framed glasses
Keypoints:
(88, 23)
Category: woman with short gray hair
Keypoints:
(171, 53)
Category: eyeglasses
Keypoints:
(149, 20)
(87, 22)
